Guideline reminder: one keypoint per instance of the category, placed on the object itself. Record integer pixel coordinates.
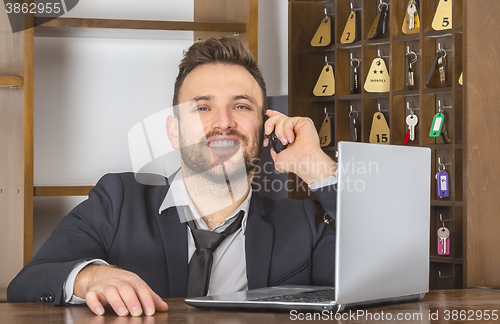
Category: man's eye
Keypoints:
(242, 107)
(202, 108)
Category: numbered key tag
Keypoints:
(325, 86)
(443, 241)
(411, 22)
(349, 35)
(443, 17)
(323, 35)
(378, 79)
(443, 184)
(326, 132)
(380, 133)
(378, 25)
(437, 125)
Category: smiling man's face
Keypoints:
(227, 117)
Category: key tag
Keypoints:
(326, 131)
(380, 133)
(325, 86)
(443, 184)
(378, 79)
(323, 35)
(350, 34)
(409, 26)
(461, 79)
(443, 17)
(377, 27)
(437, 125)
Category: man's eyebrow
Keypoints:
(206, 98)
(246, 97)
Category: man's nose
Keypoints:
(223, 120)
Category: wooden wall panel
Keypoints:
(243, 11)
(12, 194)
(482, 98)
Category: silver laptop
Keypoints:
(382, 242)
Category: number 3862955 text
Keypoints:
(40, 8)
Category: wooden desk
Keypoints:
(441, 303)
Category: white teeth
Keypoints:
(222, 143)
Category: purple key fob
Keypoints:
(443, 184)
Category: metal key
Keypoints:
(412, 8)
(411, 76)
(353, 114)
(411, 121)
(443, 234)
(441, 65)
(384, 21)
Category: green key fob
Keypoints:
(437, 125)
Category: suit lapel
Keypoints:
(174, 235)
(259, 238)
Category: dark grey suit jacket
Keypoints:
(120, 223)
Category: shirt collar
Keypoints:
(177, 195)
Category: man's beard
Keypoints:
(201, 160)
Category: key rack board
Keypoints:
(306, 62)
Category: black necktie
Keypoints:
(200, 265)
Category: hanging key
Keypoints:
(353, 114)
(444, 135)
(354, 76)
(411, 121)
(441, 68)
(412, 8)
(411, 76)
(443, 235)
(384, 21)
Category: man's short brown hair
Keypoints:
(226, 50)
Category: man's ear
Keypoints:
(173, 131)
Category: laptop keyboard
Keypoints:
(316, 296)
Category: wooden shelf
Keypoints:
(11, 80)
(53, 191)
(438, 90)
(447, 260)
(405, 93)
(140, 24)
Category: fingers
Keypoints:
(93, 303)
(126, 293)
(160, 305)
(282, 125)
(115, 300)
(145, 295)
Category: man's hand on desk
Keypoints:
(124, 291)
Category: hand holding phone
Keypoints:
(274, 140)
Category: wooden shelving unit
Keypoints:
(305, 64)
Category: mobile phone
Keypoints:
(274, 140)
